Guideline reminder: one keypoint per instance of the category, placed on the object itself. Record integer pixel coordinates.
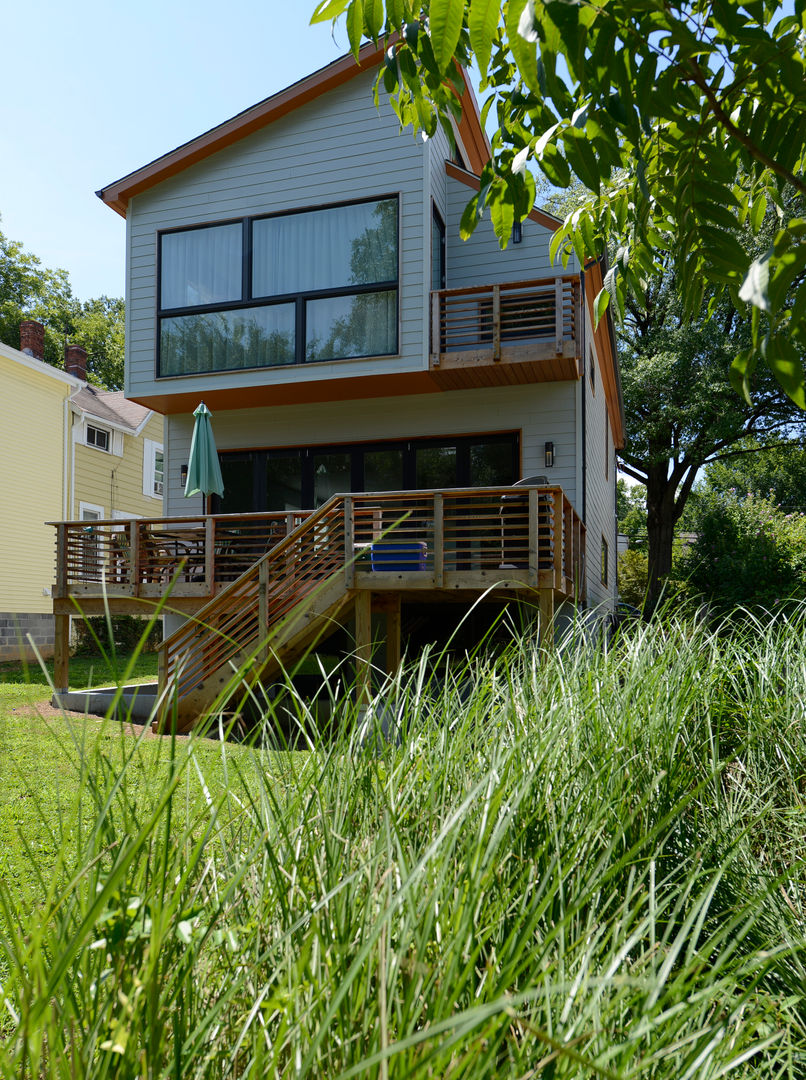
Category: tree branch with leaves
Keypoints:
(685, 121)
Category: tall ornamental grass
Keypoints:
(588, 864)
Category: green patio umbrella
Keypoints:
(204, 471)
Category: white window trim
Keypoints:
(115, 438)
(150, 450)
(93, 509)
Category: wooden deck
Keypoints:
(265, 586)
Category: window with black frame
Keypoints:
(292, 288)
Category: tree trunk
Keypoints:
(661, 516)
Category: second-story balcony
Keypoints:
(508, 333)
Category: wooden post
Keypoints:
(132, 567)
(436, 331)
(534, 533)
(569, 555)
(61, 560)
(209, 554)
(363, 646)
(496, 323)
(349, 542)
(546, 619)
(393, 634)
(263, 610)
(558, 314)
(61, 654)
(558, 539)
(439, 540)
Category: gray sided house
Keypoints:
(377, 385)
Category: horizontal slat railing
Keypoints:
(139, 557)
(466, 531)
(489, 316)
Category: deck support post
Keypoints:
(263, 610)
(546, 619)
(393, 634)
(61, 654)
(363, 646)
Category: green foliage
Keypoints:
(633, 577)
(631, 513)
(777, 470)
(29, 290)
(98, 636)
(686, 122)
(580, 865)
(747, 552)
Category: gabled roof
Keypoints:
(471, 136)
(24, 360)
(111, 407)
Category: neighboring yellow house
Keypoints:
(72, 451)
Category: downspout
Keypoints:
(66, 472)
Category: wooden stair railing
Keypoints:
(234, 622)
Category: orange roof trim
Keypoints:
(605, 340)
(472, 137)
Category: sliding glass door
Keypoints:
(306, 477)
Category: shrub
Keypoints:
(96, 634)
(746, 552)
(633, 575)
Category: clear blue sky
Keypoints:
(92, 91)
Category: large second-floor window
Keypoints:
(291, 288)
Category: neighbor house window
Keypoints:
(153, 468)
(605, 559)
(97, 437)
(292, 288)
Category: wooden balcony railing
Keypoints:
(534, 323)
(141, 557)
(465, 539)
(544, 309)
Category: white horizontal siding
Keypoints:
(339, 147)
(480, 260)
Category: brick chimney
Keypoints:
(32, 339)
(75, 361)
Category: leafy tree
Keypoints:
(28, 290)
(632, 577)
(681, 409)
(747, 552)
(686, 120)
(777, 471)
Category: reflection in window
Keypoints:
(227, 340)
(332, 473)
(284, 483)
(436, 467)
(238, 475)
(491, 464)
(383, 470)
(341, 326)
(325, 249)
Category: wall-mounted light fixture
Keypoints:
(183, 475)
(549, 454)
(517, 232)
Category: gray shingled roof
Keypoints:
(110, 405)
